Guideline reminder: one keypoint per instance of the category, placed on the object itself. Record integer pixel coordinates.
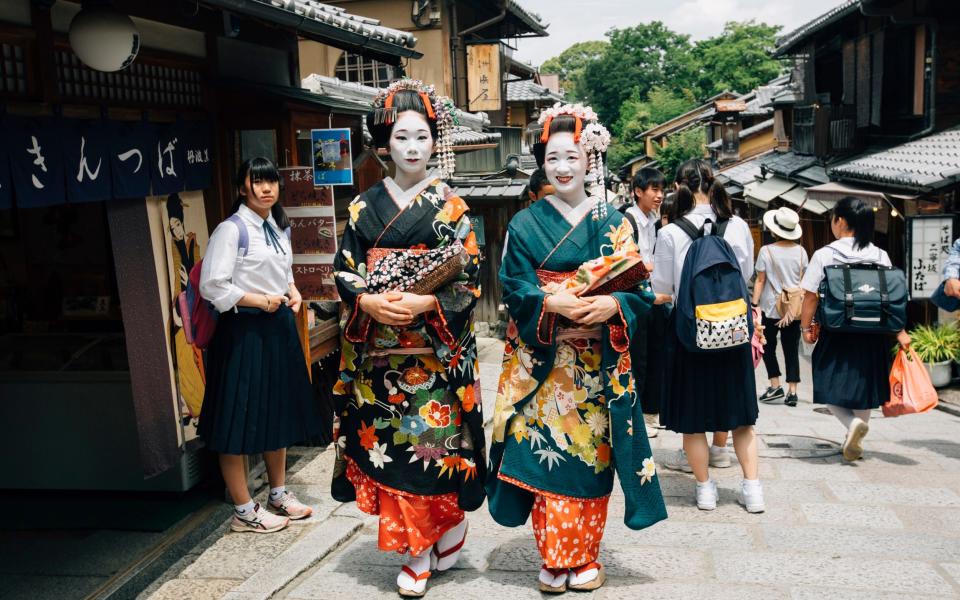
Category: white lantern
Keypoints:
(104, 39)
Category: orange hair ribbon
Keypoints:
(546, 130)
(427, 105)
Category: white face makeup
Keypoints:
(411, 143)
(565, 164)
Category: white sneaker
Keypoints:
(719, 457)
(751, 496)
(258, 521)
(679, 463)
(651, 422)
(707, 495)
(852, 446)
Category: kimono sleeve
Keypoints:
(522, 294)
(351, 276)
(456, 300)
(632, 304)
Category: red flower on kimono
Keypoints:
(435, 414)
(368, 436)
(396, 398)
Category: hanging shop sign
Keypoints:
(313, 233)
(483, 77)
(929, 241)
(332, 160)
(53, 160)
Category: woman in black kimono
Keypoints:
(410, 434)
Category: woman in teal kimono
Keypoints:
(568, 413)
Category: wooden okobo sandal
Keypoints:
(419, 587)
(591, 585)
(557, 583)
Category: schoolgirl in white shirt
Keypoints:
(714, 392)
(258, 397)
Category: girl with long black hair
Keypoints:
(714, 392)
(258, 397)
(850, 370)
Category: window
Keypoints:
(355, 68)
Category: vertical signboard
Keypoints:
(483, 77)
(930, 238)
(313, 232)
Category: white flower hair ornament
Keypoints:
(439, 108)
(592, 136)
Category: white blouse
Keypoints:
(673, 243)
(225, 278)
(647, 236)
(840, 252)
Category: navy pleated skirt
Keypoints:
(258, 395)
(706, 391)
(852, 370)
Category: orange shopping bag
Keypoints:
(910, 387)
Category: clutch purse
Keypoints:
(602, 276)
(414, 270)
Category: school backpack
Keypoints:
(712, 306)
(863, 298)
(198, 316)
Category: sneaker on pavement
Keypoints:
(791, 400)
(651, 422)
(289, 506)
(772, 395)
(679, 463)
(853, 446)
(258, 521)
(719, 457)
(750, 496)
(707, 495)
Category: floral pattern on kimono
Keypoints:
(566, 404)
(410, 421)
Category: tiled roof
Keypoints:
(786, 164)
(464, 136)
(502, 187)
(530, 91)
(690, 118)
(927, 163)
(745, 133)
(331, 25)
(743, 173)
(759, 104)
(530, 19)
(789, 41)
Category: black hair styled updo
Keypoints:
(559, 124)
(403, 101)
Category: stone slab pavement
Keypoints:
(885, 527)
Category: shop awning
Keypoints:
(765, 191)
(796, 196)
(834, 191)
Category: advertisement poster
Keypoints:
(313, 233)
(332, 161)
(185, 233)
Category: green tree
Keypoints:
(638, 115)
(639, 58)
(683, 146)
(570, 63)
(739, 59)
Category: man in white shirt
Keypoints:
(644, 215)
(644, 212)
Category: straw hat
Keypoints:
(783, 222)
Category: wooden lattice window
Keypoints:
(355, 68)
(14, 67)
(144, 82)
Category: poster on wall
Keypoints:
(313, 233)
(185, 236)
(930, 238)
(332, 160)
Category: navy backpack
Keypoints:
(712, 306)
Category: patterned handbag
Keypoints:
(414, 270)
(603, 275)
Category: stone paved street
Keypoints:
(887, 527)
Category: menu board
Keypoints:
(313, 233)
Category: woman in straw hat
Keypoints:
(777, 292)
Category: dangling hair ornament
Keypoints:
(592, 136)
(438, 108)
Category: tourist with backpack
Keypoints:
(860, 303)
(703, 260)
(258, 398)
(777, 293)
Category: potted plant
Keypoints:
(937, 347)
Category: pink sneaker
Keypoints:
(259, 521)
(291, 507)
